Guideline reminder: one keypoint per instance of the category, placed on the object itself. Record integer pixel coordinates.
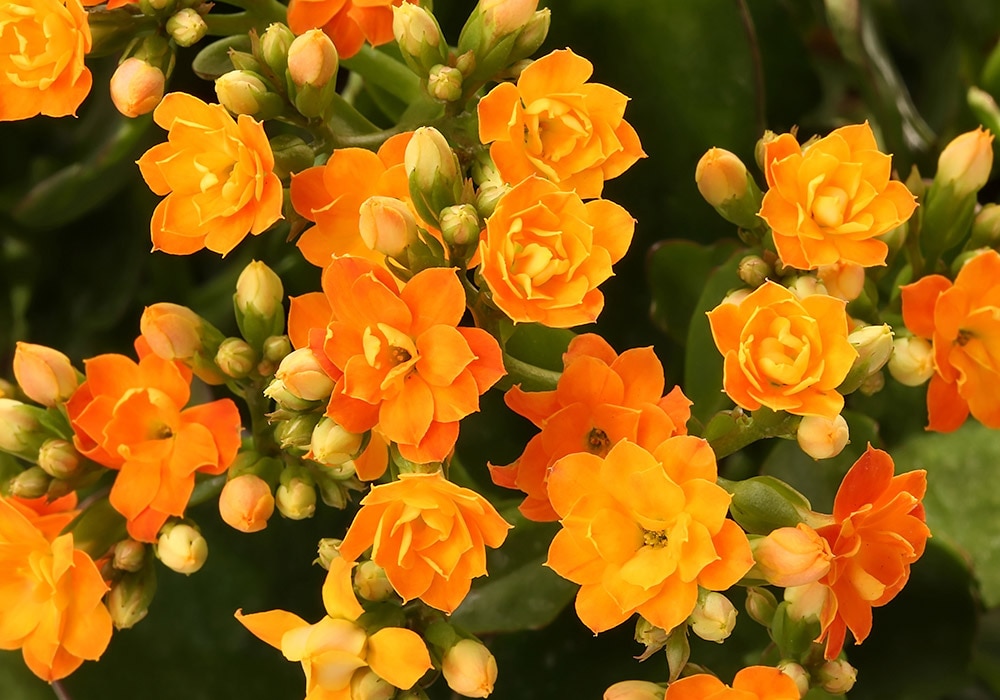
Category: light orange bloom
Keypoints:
(49, 517)
(555, 124)
(642, 531)
(51, 602)
(348, 23)
(428, 534)
(111, 4)
(786, 353)
(828, 202)
(401, 364)
(752, 683)
(217, 175)
(336, 648)
(545, 252)
(792, 556)
(131, 417)
(331, 195)
(963, 322)
(601, 398)
(879, 529)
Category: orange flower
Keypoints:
(400, 364)
(828, 202)
(41, 62)
(545, 252)
(642, 531)
(216, 173)
(330, 195)
(348, 23)
(786, 353)
(49, 517)
(601, 398)
(50, 606)
(752, 683)
(111, 4)
(337, 648)
(555, 124)
(879, 529)
(128, 417)
(963, 322)
(428, 534)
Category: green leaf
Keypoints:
(539, 345)
(520, 593)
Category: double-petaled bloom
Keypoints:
(962, 320)
(752, 683)
(782, 352)
(348, 23)
(428, 534)
(602, 398)
(50, 593)
(554, 124)
(401, 364)
(217, 175)
(130, 417)
(337, 652)
(643, 531)
(829, 201)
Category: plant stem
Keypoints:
(530, 377)
(386, 72)
(749, 428)
(260, 428)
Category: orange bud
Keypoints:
(792, 556)
(720, 176)
(387, 226)
(246, 503)
(312, 59)
(303, 376)
(844, 280)
(822, 438)
(172, 331)
(634, 690)
(332, 445)
(470, 669)
(136, 87)
(507, 16)
(44, 374)
(966, 162)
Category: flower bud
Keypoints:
(296, 495)
(488, 196)
(246, 503)
(822, 438)
(129, 555)
(174, 332)
(798, 674)
(419, 37)
(276, 347)
(444, 83)
(837, 677)
(328, 550)
(331, 444)
(724, 182)
(754, 271)
(136, 87)
(713, 618)
(182, 548)
(760, 605)
(985, 228)
(257, 303)
(634, 690)
(736, 296)
(806, 602)
(129, 598)
(965, 163)
(371, 582)
(872, 384)
(763, 503)
(792, 556)
(874, 346)
(236, 358)
(31, 483)
(528, 41)
(433, 171)
(187, 27)
(367, 685)
(44, 374)
(804, 286)
(460, 225)
(245, 92)
(303, 376)
(844, 280)
(279, 393)
(59, 459)
(274, 45)
(912, 361)
(387, 226)
(503, 17)
(312, 59)
(21, 432)
(470, 669)
(296, 432)
(650, 636)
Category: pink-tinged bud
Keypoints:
(470, 669)
(806, 602)
(503, 17)
(415, 29)
(236, 358)
(965, 163)
(172, 331)
(720, 176)
(460, 225)
(754, 271)
(312, 59)
(182, 548)
(713, 618)
(58, 458)
(837, 677)
(912, 361)
(257, 302)
(333, 445)
(371, 582)
(429, 159)
(44, 374)
(136, 87)
(736, 296)
(761, 605)
(31, 483)
(806, 286)
(296, 499)
(303, 376)
(822, 438)
(444, 83)
(20, 431)
(129, 555)
(387, 226)
(246, 503)
(187, 27)
(367, 685)
(798, 674)
(792, 556)
(634, 690)
(129, 598)
(843, 280)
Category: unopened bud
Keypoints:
(296, 432)
(182, 548)
(503, 17)
(760, 149)
(274, 45)
(419, 37)
(31, 483)
(724, 182)
(985, 228)
(806, 602)
(328, 550)
(296, 496)
(844, 280)
(246, 503)
(129, 598)
(792, 556)
(331, 444)
(460, 225)
(236, 358)
(821, 437)
(763, 503)
(129, 555)
(433, 171)
(444, 83)
(760, 605)
(367, 685)
(874, 346)
(529, 39)
(371, 582)
(634, 690)
(650, 636)
(187, 27)
(872, 384)
(470, 669)
(798, 674)
(174, 332)
(58, 458)
(44, 374)
(21, 432)
(279, 393)
(276, 347)
(754, 271)
(303, 376)
(736, 296)
(257, 303)
(312, 59)
(245, 92)
(965, 163)
(804, 286)
(488, 196)
(912, 361)
(713, 618)
(136, 87)
(837, 677)
(387, 226)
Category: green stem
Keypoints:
(386, 72)
(234, 23)
(530, 377)
(260, 428)
(749, 428)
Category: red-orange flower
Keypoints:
(642, 531)
(963, 322)
(428, 534)
(400, 362)
(829, 201)
(50, 594)
(42, 46)
(752, 683)
(555, 124)
(601, 398)
(131, 417)
(217, 175)
(348, 23)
